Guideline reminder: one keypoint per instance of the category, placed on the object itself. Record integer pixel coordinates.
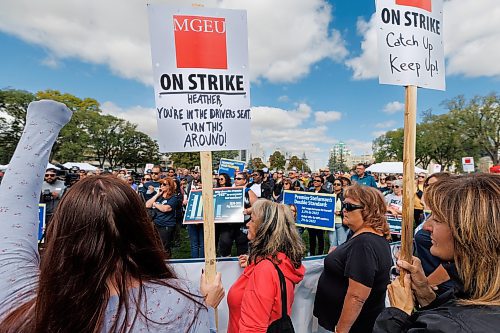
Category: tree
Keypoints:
(337, 162)
(13, 106)
(137, 149)
(217, 155)
(277, 161)
(256, 164)
(74, 140)
(298, 163)
(479, 122)
(389, 146)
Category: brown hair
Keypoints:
(374, 205)
(100, 233)
(172, 187)
(470, 206)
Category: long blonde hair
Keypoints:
(470, 206)
(276, 233)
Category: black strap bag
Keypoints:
(284, 324)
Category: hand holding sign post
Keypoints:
(200, 67)
(410, 49)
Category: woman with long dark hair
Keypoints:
(103, 269)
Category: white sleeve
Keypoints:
(19, 194)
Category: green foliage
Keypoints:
(337, 162)
(298, 163)
(192, 159)
(277, 161)
(470, 128)
(256, 164)
(13, 107)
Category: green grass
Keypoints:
(183, 251)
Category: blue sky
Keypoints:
(314, 82)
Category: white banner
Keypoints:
(468, 164)
(200, 67)
(305, 292)
(410, 43)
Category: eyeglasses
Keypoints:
(317, 181)
(421, 176)
(352, 207)
(239, 178)
(255, 175)
(396, 186)
(50, 175)
(164, 185)
(222, 178)
(337, 184)
(280, 173)
(147, 178)
(155, 173)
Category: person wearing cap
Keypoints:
(52, 192)
(362, 178)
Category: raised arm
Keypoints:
(19, 195)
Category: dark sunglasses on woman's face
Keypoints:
(352, 207)
(337, 184)
(239, 178)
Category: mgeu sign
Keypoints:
(410, 43)
(200, 68)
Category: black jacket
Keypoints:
(442, 315)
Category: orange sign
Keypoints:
(423, 4)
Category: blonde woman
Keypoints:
(254, 300)
(465, 229)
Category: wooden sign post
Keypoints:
(410, 125)
(208, 214)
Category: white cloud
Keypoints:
(271, 118)
(284, 99)
(385, 124)
(283, 44)
(471, 34)
(359, 147)
(145, 118)
(376, 134)
(393, 107)
(327, 116)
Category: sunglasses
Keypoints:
(352, 207)
(255, 175)
(238, 178)
(50, 175)
(421, 176)
(146, 178)
(280, 173)
(317, 181)
(155, 173)
(222, 178)
(337, 184)
(396, 186)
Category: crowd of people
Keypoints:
(104, 266)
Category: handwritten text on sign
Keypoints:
(410, 43)
(200, 64)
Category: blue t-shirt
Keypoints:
(367, 180)
(166, 219)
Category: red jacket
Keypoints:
(254, 300)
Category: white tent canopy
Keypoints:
(81, 166)
(390, 167)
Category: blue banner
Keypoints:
(395, 223)
(228, 206)
(41, 220)
(231, 167)
(314, 210)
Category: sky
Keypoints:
(313, 64)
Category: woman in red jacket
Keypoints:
(254, 300)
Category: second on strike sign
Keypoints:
(200, 68)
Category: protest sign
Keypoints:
(468, 164)
(395, 223)
(228, 205)
(231, 167)
(148, 167)
(314, 210)
(41, 220)
(200, 67)
(410, 43)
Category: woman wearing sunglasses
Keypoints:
(394, 200)
(351, 289)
